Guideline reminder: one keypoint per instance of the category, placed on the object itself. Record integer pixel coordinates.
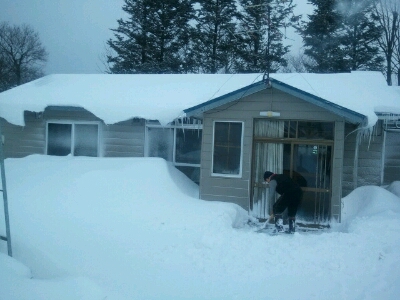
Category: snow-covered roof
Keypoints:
(363, 92)
(357, 96)
(114, 98)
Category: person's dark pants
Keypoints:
(290, 200)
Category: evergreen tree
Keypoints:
(360, 34)
(261, 34)
(153, 39)
(215, 35)
(322, 38)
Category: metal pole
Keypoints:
(3, 182)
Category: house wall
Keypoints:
(366, 169)
(238, 190)
(348, 159)
(392, 157)
(20, 141)
(124, 139)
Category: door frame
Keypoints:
(292, 142)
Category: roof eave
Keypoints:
(349, 115)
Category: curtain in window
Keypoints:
(267, 157)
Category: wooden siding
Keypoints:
(124, 139)
(237, 190)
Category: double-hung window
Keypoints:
(75, 138)
(227, 149)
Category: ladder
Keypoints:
(6, 238)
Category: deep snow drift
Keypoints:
(133, 228)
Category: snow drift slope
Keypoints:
(131, 229)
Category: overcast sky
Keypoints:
(74, 32)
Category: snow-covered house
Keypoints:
(111, 115)
(330, 132)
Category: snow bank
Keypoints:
(367, 202)
(394, 188)
(128, 228)
(17, 283)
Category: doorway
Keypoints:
(279, 147)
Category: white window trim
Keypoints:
(241, 151)
(73, 123)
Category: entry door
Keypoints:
(311, 169)
(308, 164)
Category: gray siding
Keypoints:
(337, 170)
(350, 143)
(370, 161)
(367, 168)
(124, 139)
(392, 157)
(69, 115)
(22, 141)
(237, 190)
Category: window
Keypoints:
(227, 148)
(188, 146)
(308, 130)
(160, 142)
(179, 143)
(78, 139)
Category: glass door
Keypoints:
(311, 169)
(301, 150)
(307, 164)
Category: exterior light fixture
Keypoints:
(270, 114)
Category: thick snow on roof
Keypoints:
(363, 92)
(114, 98)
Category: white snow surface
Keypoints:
(114, 98)
(363, 92)
(134, 228)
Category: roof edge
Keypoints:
(224, 99)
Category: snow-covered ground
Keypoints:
(133, 228)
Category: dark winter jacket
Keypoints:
(284, 183)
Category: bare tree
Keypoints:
(396, 58)
(387, 14)
(22, 55)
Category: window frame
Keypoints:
(240, 174)
(174, 128)
(73, 123)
